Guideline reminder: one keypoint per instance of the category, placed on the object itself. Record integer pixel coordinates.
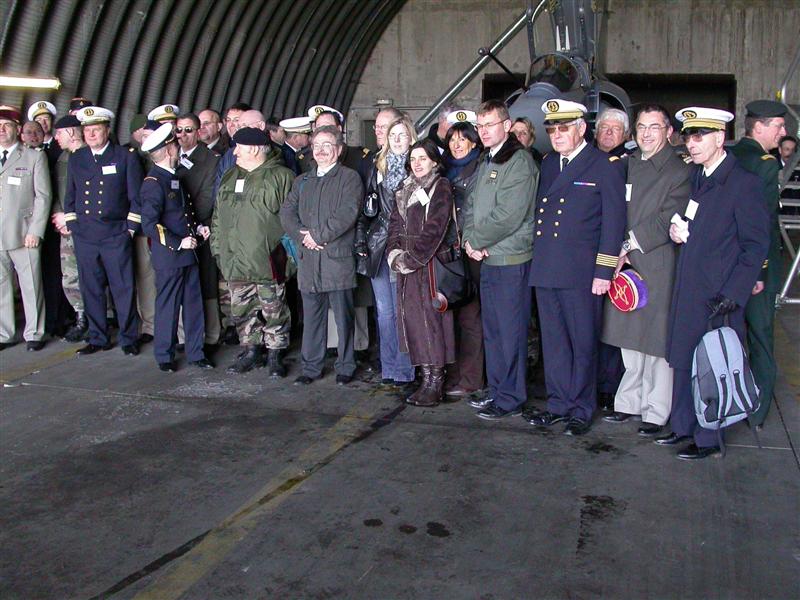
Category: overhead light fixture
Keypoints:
(39, 83)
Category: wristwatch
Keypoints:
(626, 246)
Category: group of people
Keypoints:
(194, 235)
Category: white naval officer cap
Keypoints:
(159, 138)
(556, 110)
(462, 116)
(165, 112)
(318, 109)
(41, 108)
(297, 125)
(703, 118)
(92, 115)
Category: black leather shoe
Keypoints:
(79, 331)
(130, 350)
(4, 345)
(576, 426)
(481, 402)
(167, 367)
(203, 363)
(251, 358)
(670, 439)
(275, 364)
(304, 380)
(605, 400)
(34, 346)
(343, 379)
(230, 337)
(145, 338)
(617, 417)
(545, 419)
(692, 452)
(494, 413)
(209, 349)
(648, 429)
(387, 381)
(92, 348)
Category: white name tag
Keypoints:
(110, 170)
(239, 188)
(380, 177)
(186, 162)
(691, 210)
(422, 197)
(175, 184)
(628, 191)
(14, 181)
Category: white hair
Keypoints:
(615, 114)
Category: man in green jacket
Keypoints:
(764, 125)
(246, 242)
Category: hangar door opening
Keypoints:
(679, 90)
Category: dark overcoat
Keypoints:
(657, 189)
(427, 335)
(728, 242)
(327, 207)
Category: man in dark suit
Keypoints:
(169, 222)
(724, 239)
(580, 226)
(101, 207)
(196, 168)
(211, 133)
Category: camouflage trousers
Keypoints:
(69, 274)
(224, 298)
(260, 314)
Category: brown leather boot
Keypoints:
(430, 392)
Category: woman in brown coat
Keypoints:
(417, 227)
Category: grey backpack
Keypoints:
(723, 387)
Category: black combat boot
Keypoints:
(79, 331)
(275, 363)
(251, 358)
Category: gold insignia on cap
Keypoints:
(168, 109)
(461, 115)
(689, 114)
(42, 105)
(552, 106)
(319, 110)
(89, 112)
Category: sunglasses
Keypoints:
(184, 129)
(551, 129)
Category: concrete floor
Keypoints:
(118, 481)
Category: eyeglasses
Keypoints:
(184, 129)
(480, 126)
(326, 146)
(695, 137)
(398, 137)
(380, 127)
(551, 129)
(650, 128)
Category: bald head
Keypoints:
(253, 118)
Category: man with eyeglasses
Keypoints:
(764, 126)
(657, 187)
(723, 237)
(580, 225)
(383, 119)
(498, 231)
(196, 168)
(210, 132)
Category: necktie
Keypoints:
(564, 162)
(183, 156)
(5, 156)
(488, 157)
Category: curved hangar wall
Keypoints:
(131, 55)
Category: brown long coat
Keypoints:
(425, 334)
(659, 188)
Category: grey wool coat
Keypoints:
(327, 207)
(657, 189)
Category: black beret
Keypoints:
(765, 109)
(79, 103)
(250, 136)
(67, 121)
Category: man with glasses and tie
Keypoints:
(101, 210)
(498, 231)
(25, 197)
(658, 186)
(196, 168)
(579, 229)
(723, 237)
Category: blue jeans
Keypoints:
(394, 364)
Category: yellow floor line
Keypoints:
(203, 558)
(51, 361)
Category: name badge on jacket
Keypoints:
(239, 187)
(175, 184)
(110, 170)
(186, 162)
(14, 181)
(691, 209)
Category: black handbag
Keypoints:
(449, 279)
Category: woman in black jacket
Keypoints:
(465, 376)
(372, 231)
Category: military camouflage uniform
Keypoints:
(69, 264)
(260, 314)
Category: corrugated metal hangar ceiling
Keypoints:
(279, 56)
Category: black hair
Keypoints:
(242, 106)
(335, 116)
(467, 131)
(431, 149)
(652, 107)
